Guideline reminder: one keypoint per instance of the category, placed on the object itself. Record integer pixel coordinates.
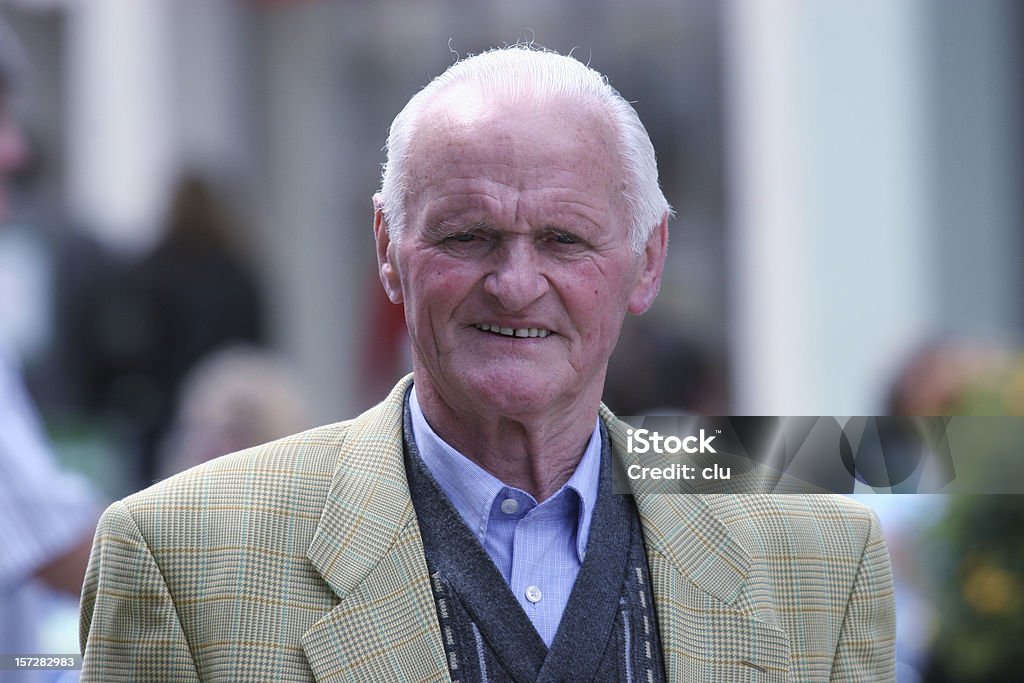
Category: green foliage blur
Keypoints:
(978, 576)
(978, 544)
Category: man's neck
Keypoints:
(535, 453)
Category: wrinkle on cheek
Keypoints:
(441, 352)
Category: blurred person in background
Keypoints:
(236, 397)
(466, 527)
(150, 324)
(47, 517)
(938, 378)
(657, 370)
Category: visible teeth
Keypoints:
(522, 332)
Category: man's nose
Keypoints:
(516, 280)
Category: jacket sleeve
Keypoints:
(129, 628)
(867, 642)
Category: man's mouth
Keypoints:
(513, 331)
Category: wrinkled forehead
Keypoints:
(462, 118)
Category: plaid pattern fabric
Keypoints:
(301, 560)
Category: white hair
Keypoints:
(542, 75)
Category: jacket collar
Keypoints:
(688, 546)
(367, 548)
(699, 573)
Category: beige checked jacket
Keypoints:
(301, 560)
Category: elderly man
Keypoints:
(466, 528)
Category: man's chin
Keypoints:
(511, 396)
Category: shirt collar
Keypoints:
(471, 489)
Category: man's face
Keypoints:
(13, 155)
(515, 268)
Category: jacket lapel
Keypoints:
(367, 548)
(699, 572)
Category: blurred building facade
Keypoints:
(845, 174)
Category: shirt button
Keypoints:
(509, 506)
(533, 594)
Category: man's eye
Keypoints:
(463, 237)
(564, 238)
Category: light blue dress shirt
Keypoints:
(538, 548)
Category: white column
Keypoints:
(315, 263)
(827, 245)
(120, 130)
(211, 78)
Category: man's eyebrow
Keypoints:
(449, 225)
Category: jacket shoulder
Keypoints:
(289, 477)
(767, 525)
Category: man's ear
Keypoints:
(652, 263)
(387, 253)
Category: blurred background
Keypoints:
(188, 266)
